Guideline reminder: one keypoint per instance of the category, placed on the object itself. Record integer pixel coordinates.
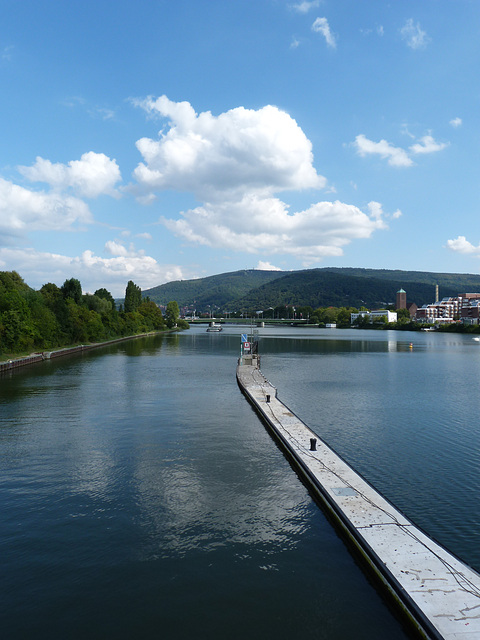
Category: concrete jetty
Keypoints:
(439, 594)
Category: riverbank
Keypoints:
(439, 594)
(33, 358)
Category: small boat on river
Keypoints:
(214, 327)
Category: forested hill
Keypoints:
(217, 290)
(322, 288)
(461, 282)
(252, 289)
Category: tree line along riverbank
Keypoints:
(56, 317)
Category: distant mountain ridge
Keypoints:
(329, 286)
(216, 290)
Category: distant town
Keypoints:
(463, 308)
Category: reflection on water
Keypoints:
(141, 496)
(404, 417)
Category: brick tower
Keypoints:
(401, 299)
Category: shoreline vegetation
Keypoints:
(34, 323)
(22, 360)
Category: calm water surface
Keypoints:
(141, 497)
(403, 409)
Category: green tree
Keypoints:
(54, 300)
(133, 297)
(403, 316)
(72, 289)
(16, 327)
(10, 280)
(343, 316)
(152, 315)
(106, 295)
(95, 303)
(327, 315)
(304, 312)
(47, 333)
(363, 321)
(172, 314)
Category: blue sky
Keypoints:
(159, 140)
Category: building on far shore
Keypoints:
(465, 308)
(391, 316)
(401, 303)
(401, 299)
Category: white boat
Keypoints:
(214, 327)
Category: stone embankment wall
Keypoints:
(8, 365)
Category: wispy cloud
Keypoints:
(413, 35)
(144, 236)
(456, 122)
(305, 7)
(94, 111)
(73, 101)
(101, 112)
(7, 53)
(378, 30)
(321, 26)
(427, 144)
(294, 43)
(396, 156)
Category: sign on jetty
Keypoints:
(439, 594)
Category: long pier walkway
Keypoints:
(439, 593)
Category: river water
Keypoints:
(141, 497)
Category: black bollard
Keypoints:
(268, 398)
(313, 444)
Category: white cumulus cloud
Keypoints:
(23, 210)
(235, 164)
(320, 231)
(456, 122)
(93, 175)
(462, 245)
(38, 268)
(413, 35)
(321, 26)
(266, 266)
(240, 150)
(115, 248)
